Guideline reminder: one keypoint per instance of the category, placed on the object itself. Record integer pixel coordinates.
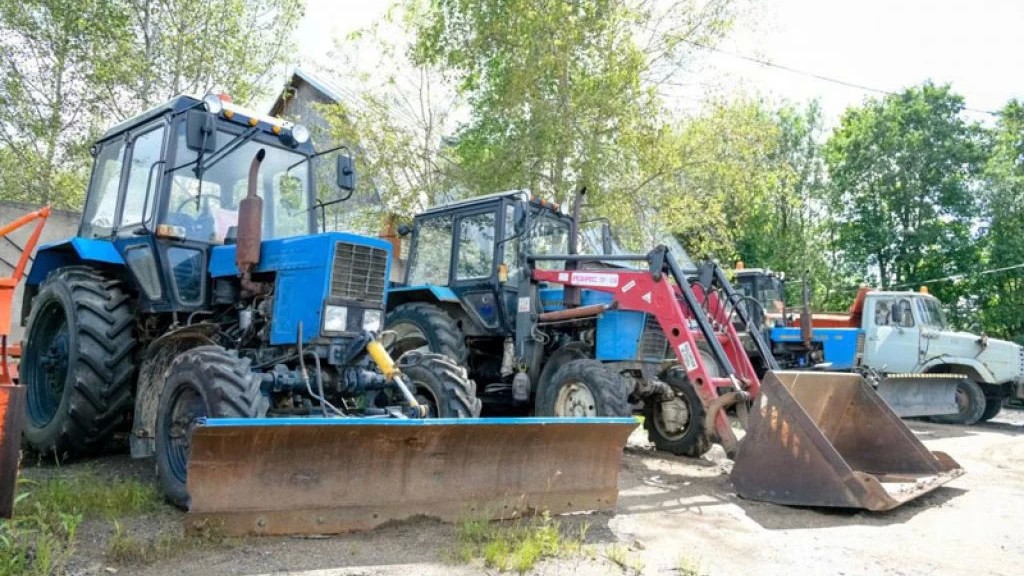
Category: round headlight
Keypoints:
(213, 103)
(300, 134)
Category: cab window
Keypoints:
(140, 191)
(433, 253)
(476, 246)
(106, 183)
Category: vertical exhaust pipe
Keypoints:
(250, 230)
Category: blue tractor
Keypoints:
(199, 286)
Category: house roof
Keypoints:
(299, 77)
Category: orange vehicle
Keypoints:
(12, 397)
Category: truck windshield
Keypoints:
(207, 212)
(931, 312)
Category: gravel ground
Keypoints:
(675, 516)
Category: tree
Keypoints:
(563, 94)
(1002, 293)
(904, 173)
(72, 68)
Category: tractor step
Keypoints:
(332, 475)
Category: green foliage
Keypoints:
(71, 69)
(40, 540)
(127, 550)
(563, 94)
(904, 172)
(516, 546)
(1002, 294)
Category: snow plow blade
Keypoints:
(827, 439)
(332, 475)
(914, 395)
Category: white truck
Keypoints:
(904, 338)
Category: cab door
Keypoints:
(474, 267)
(892, 335)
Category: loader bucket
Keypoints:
(332, 475)
(827, 439)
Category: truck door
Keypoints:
(891, 334)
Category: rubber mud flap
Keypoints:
(827, 439)
(331, 475)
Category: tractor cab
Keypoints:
(473, 251)
(764, 292)
(166, 187)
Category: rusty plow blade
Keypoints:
(827, 439)
(331, 475)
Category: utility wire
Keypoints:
(815, 75)
(954, 277)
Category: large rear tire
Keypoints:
(970, 401)
(441, 385)
(79, 362)
(676, 425)
(584, 389)
(426, 328)
(207, 381)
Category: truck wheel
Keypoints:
(970, 401)
(207, 381)
(677, 425)
(79, 362)
(993, 405)
(584, 389)
(441, 385)
(426, 328)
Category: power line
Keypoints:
(955, 277)
(815, 75)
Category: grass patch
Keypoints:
(40, 539)
(687, 566)
(621, 557)
(125, 549)
(516, 546)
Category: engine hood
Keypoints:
(1002, 360)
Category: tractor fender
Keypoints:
(444, 298)
(967, 366)
(69, 253)
(158, 357)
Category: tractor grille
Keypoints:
(360, 273)
(653, 344)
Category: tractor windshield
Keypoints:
(208, 209)
(548, 235)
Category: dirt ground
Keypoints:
(675, 516)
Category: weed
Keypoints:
(687, 566)
(125, 549)
(40, 540)
(516, 546)
(620, 556)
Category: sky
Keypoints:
(977, 46)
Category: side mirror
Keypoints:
(346, 173)
(897, 314)
(404, 230)
(201, 131)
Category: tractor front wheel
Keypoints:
(441, 385)
(584, 389)
(676, 424)
(207, 381)
(79, 362)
